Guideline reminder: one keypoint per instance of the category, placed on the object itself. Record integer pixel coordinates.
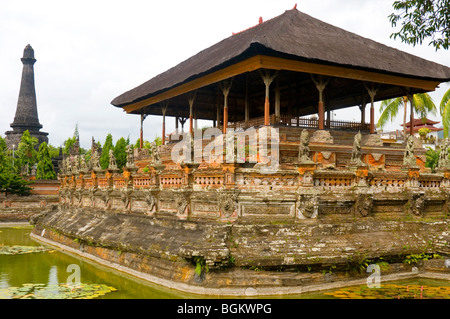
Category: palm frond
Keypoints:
(389, 110)
(424, 105)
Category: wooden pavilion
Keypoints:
(281, 70)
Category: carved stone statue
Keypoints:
(130, 156)
(303, 149)
(364, 204)
(69, 168)
(76, 166)
(112, 160)
(308, 207)
(356, 151)
(95, 160)
(444, 161)
(409, 159)
(83, 165)
(154, 153)
(228, 203)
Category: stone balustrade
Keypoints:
(230, 192)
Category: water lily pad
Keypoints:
(392, 292)
(61, 291)
(16, 250)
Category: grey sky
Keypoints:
(89, 52)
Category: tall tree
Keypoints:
(422, 105)
(120, 152)
(104, 157)
(421, 19)
(444, 109)
(26, 151)
(14, 184)
(45, 169)
(3, 155)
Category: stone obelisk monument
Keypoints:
(26, 117)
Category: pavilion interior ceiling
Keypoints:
(298, 96)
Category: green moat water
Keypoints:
(30, 270)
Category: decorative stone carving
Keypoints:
(303, 149)
(83, 165)
(409, 159)
(321, 136)
(125, 196)
(76, 165)
(376, 156)
(154, 154)
(181, 202)
(112, 160)
(308, 179)
(444, 160)
(356, 151)
(308, 207)
(373, 140)
(130, 157)
(417, 204)
(228, 203)
(95, 161)
(364, 204)
(106, 198)
(151, 201)
(69, 168)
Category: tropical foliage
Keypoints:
(444, 109)
(422, 19)
(45, 169)
(422, 106)
(26, 152)
(432, 158)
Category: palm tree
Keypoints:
(445, 112)
(422, 105)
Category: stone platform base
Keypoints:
(244, 259)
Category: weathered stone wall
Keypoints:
(15, 208)
(167, 248)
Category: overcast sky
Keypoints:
(89, 52)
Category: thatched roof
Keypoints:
(296, 36)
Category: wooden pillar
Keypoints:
(195, 119)
(372, 92)
(246, 103)
(411, 116)
(277, 102)
(225, 86)
(321, 84)
(191, 112)
(268, 79)
(141, 133)
(363, 112)
(163, 110)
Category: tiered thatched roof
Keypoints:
(298, 45)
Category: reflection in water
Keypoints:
(51, 268)
(41, 271)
